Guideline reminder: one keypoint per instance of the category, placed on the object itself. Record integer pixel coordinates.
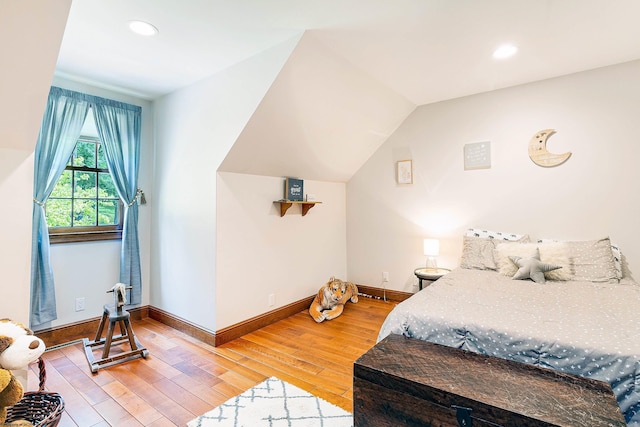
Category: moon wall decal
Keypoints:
(538, 150)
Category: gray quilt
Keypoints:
(583, 328)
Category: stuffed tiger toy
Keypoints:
(331, 298)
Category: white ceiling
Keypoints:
(424, 50)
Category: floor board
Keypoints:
(183, 377)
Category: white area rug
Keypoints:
(275, 403)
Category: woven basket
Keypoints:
(41, 408)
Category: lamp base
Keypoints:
(432, 263)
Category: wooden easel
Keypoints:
(114, 314)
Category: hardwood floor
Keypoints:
(183, 377)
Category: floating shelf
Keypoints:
(286, 204)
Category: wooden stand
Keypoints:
(113, 315)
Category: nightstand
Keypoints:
(430, 274)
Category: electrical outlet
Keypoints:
(385, 276)
(80, 304)
(272, 300)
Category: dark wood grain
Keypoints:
(418, 383)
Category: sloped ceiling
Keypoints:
(360, 68)
(321, 119)
(29, 41)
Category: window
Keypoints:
(84, 205)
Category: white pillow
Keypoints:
(477, 253)
(551, 253)
(497, 235)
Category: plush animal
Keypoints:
(10, 394)
(18, 348)
(331, 298)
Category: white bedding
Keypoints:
(585, 328)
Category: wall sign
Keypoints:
(477, 155)
(538, 150)
(293, 189)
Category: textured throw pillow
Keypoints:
(532, 268)
(556, 253)
(593, 261)
(618, 260)
(497, 235)
(477, 253)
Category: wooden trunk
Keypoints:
(408, 382)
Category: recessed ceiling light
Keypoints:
(505, 51)
(143, 28)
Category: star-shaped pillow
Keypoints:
(532, 268)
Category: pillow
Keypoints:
(532, 268)
(477, 253)
(555, 253)
(594, 261)
(617, 260)
(497, 235)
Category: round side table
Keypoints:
(431, 274)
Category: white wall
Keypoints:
(195, 128)
(30, 36)
(261, 253)
(16, 192)
(89, 269)
(594, 194)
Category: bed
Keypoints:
(584, 322)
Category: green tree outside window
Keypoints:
(84, 199)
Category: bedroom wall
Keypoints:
(195, 127)
(88, 269)
(594, 194)
(30, 38)
(293, 128)
(16, 192)
(261, 253)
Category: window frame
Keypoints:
(88, 233)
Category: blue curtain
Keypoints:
(118, 127)
(61, 125)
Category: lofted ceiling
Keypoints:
(403, 53)
(424, 50)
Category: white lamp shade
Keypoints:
(431, 247)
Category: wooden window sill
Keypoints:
(88, 236)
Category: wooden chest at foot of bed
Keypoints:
(408, 382)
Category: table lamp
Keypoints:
(431, 251)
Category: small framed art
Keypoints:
(404, 171)
(293, 189)
(477, 155)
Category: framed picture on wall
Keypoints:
(477, 155)
(404, 171)
(293, 189)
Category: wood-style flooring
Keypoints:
(183, 377)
